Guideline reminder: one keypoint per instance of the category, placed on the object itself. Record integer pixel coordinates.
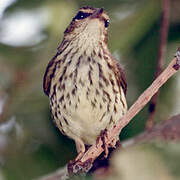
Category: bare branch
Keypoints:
(160, 59)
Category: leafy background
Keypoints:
(30, 31)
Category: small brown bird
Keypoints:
(85, 84)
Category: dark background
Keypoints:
(30, 31)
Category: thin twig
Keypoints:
(160, 59)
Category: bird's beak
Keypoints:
(97, 13)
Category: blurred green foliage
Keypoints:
(30, 144)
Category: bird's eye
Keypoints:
(81, 15)
(106, 23)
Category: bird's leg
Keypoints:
(105, 145)
(104, 138)
(77, 165)
(80, 147)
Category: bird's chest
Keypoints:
(84, 82)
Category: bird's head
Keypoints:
(89, 24)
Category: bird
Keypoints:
(85, 84)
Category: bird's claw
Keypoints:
(79, 166)
(105, 144)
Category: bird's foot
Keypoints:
(105, 144)
(76, 165)
(80, 147)
(79, 156)
(79, 166)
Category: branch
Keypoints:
(160, 59)
(86, 162)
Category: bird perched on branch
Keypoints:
(85, 84)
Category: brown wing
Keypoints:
(119, 73)
(118, 70)
(49, 74)
(51, 68)
(121, 77)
